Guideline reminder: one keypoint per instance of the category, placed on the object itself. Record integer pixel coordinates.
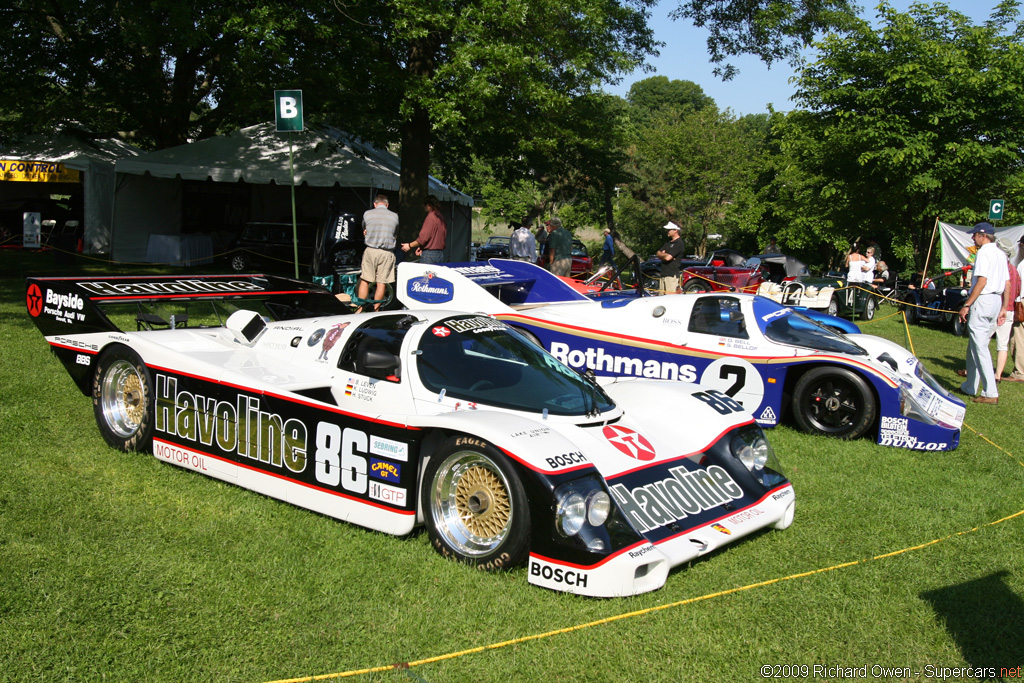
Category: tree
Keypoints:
(773, 30)
(906, 122)
(494, 78)
(160, 72)
(690, 166)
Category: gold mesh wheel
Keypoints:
(122, 398)
(482, 502)
(470, 503)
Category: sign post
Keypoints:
(995, 210)
(288, 117)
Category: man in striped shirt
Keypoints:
(379, 227)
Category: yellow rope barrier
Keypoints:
(638, 613)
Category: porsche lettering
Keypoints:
(670, 500)
(241, 427)
(598, 360)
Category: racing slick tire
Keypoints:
(122, 399)
(834, 402)
(696, 286)
(869, 307)
(475, 507)
(239, 262)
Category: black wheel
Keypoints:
(835, 402)
(122, 399)
(833, 307)
(239, 262)
(475, 506)
(959, 328)
(696, 286)
(909, 307)
(869, 308)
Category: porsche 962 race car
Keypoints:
(773, 360)
(392, 419)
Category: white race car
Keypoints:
(392, 419)
(770, 358)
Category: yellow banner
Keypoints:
(36, 171)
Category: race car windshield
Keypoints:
(787, 326)
(481, 360)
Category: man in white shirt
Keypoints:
(985, 306)
(523, 245)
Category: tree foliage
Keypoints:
(689, 165)
(773, 30)
(914, 119)
(159, 72)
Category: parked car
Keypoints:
(433, 417)
(771, 359)
(936, 301)
(270, 245)
(496, 246)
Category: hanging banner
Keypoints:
(957, 246)
(36, 171)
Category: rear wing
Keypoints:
(63, 306)
(497, 285)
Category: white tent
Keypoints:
(92, 159)
(956, 242)
(168, 193)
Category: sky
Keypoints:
(685, 57)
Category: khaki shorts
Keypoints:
(378, 265)
(670, 284)
(562, 267)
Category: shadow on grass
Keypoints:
(986, 620)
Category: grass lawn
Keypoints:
(117, 567)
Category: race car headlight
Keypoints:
(812, 291)
(570, 514)
(909, 407)
(752, 450)
(750, 446)
(599, 505)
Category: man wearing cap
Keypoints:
(559, 248)
(670, 255)
(982, 311)
(523, 245)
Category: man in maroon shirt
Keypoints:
(429, 244)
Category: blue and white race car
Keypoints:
(772, 359)
(393, 419)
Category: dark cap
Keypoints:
(984, 228)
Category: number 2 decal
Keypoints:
(739, 373)
(738, 379)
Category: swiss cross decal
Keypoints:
(629, 442)
(441, 331)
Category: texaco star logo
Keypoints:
(34, 300)
(629, 442)
(441, 331)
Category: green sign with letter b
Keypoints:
(288, 110)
